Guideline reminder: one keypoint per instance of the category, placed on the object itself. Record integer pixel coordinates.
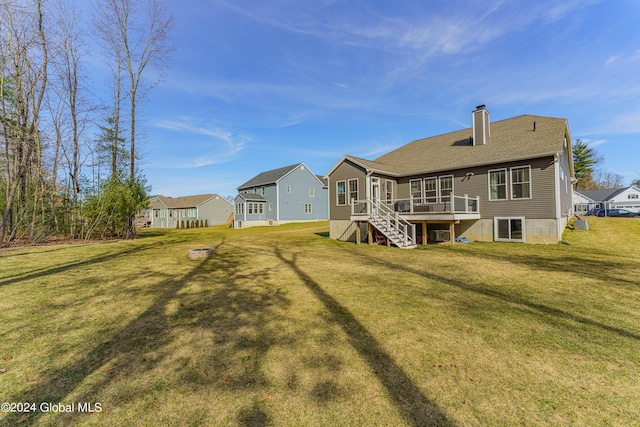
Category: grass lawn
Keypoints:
(286, 327)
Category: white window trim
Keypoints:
(310, 208)
(440, 186)
(511, 183)
(338, 193)
(421, 187)
(288, 189)
(507, 188)
(348, 190)
(312, 193)
(388, 183)
(424, 188)
(509, 218)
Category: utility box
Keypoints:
(581, 224)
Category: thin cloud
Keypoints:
(207, 139)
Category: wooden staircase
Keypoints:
(230, 221)
(399, 231)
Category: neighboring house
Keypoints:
(289, 194)
(168, 212)
(509, 180)
(614, 198)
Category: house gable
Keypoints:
(526, 158)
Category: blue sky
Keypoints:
(258, 85)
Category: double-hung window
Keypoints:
(431, 189)
(416, 190)
(498, 184)
(388, 185)
(353, 190)
(446, 188)
(521, 182)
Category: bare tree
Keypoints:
(69, 87)
(23, 83)
(606, 179)
(135, 34)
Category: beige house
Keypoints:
(509, 180)
(168, 212)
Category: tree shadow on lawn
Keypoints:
(541, 309)
(50, 270)
(124, 354)
(610, 268)
(412, 404)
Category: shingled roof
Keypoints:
(274, 175)
(268, 177)
(181, 202)
(511, 139)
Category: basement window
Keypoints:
(509, 229)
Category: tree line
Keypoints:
(587, 173)
(68, 156)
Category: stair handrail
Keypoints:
(390, 217)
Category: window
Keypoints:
(312, 192)
(430, 189)
(270, 207)
(341, 193)
(521, 182)
(307, 208)
(155, 212)
(170, 213)
(191, 212)
(416, 189)
(446, 187)
(262, 191)
(288, 189)
(353, 190)
(240, 209)
(632, 196)
(256, 208)
(509, 229)
(388, 186)
(498, 184)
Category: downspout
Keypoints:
(277, 202)
(556, 180)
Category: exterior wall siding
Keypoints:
(344, 172)
(292, 205)
(541, 204)
(215, 211)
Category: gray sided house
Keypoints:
(289, 194)
(509, 180)
(168, 212)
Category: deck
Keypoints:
(448, 208)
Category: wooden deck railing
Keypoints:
(425, 205)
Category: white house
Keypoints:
(613, 198)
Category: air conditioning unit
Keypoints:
(440, 235)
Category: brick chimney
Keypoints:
(481, 129)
